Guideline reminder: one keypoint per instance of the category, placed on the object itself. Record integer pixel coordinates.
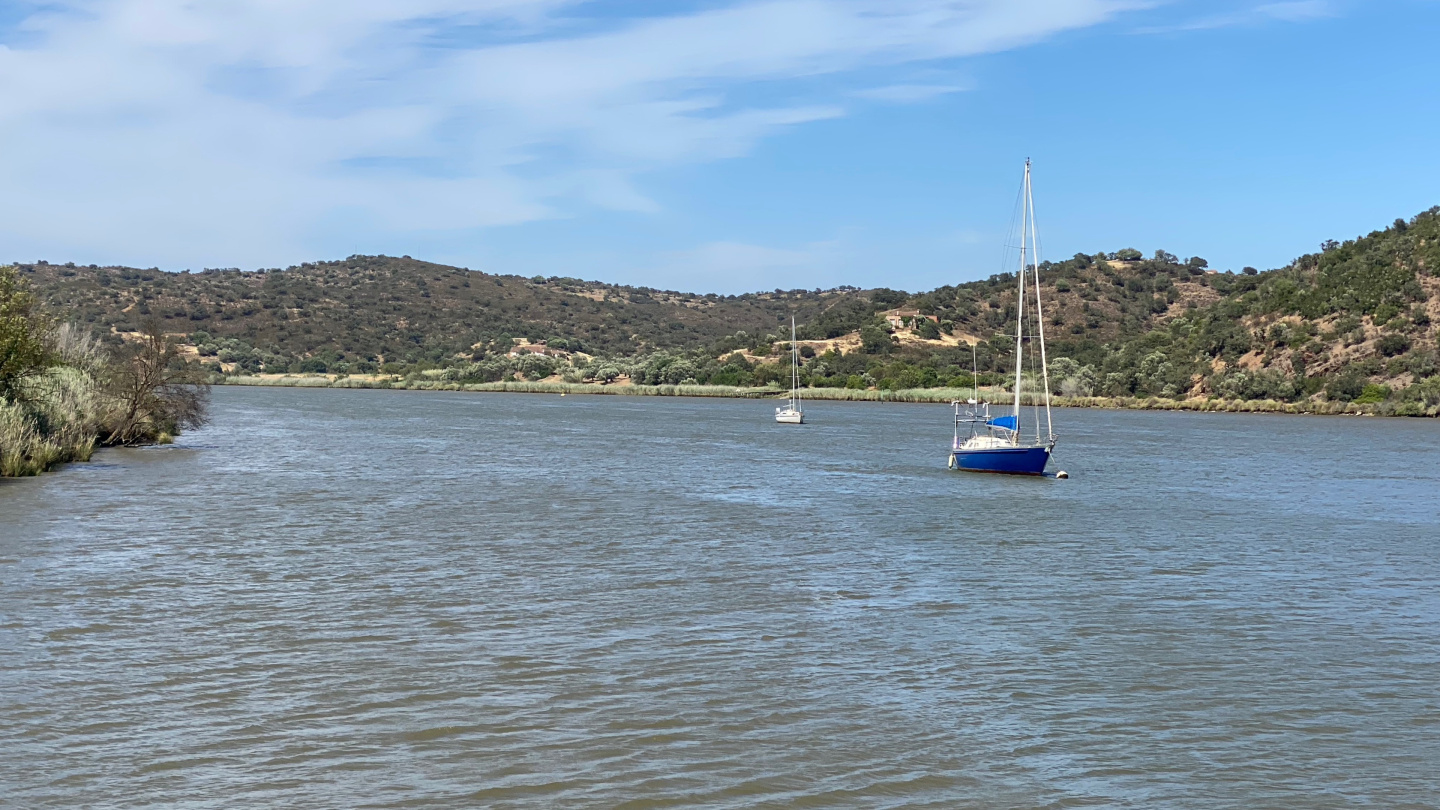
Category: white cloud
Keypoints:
(229, 133)
(908, 93)
(1289, 11)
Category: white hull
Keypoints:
(789, 417)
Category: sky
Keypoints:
(709, 145)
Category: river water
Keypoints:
(404, 599)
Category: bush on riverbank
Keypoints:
(62, 393)
(58, 421)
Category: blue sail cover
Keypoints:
(1007, 422)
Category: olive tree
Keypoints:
(156, 392)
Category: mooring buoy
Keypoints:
(1062, 474)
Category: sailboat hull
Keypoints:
(790, 417)
(1007, 460)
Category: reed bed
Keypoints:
(904, 395)
(1309, 407)
(317, 381)
(60, 423)
(993, 396)
(298, 381)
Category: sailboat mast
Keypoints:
(1039, 310)
(1020, 303)
(975, 369)
(794, 365)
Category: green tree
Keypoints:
(874, 340)
(1392, 344)
(1373, 394)
(23, 349)
(605, 373)
(1346, 387)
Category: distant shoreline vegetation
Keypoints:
(912, 395)
(1354, 327)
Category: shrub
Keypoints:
(1384, 312)
(609, 373)
(874, 340)
(1265, 384)
(1345, 388)
(23, 449)
(1372, 394)
(1426, 393)
(1392, 344)
(680, 372)
(1422, 364)
(23, 352)
(1118, 384)
(729, 375)
(903, 378)
(536, 366)
(1069, 378)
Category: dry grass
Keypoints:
(60, 422)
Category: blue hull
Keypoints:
(1009, 460)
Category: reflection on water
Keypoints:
(387, 599)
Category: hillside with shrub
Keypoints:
(405, 311)
(1354, 322)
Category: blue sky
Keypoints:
(708, 145)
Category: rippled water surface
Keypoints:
(390, 599)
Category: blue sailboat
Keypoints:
(1001, 447)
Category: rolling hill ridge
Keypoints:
(1356, 319)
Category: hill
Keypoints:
(1354, 321)
(403, 310)
(407, 312)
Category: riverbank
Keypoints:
(919, 395)
(59, 423)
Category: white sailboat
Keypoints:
(792, 414)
